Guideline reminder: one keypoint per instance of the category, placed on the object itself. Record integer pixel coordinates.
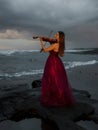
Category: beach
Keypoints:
(85, 78)
(82, 75)
(82, 78)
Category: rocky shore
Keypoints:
(17, 105)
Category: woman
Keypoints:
(55, 88)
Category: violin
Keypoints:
(46, 39)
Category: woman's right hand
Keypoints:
(41, 39)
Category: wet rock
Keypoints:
(36, 84)
(18, 105)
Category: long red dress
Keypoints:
(55, 88)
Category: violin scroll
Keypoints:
(35, 37)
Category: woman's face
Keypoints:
(57, 35)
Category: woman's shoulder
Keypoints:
(56, 46)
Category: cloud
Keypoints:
(41, 16)
(46, 14)
(11, 34)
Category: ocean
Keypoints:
(19, 63)
(23, 63)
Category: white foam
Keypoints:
(10, 52)
(19, 74)
(80, 63)
(79, 50)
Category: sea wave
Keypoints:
(79, 50)
(10, 52)
(19, 74)
(79, 63)
(40, 71)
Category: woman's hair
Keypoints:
(61, 43)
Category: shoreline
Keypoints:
(80, 77)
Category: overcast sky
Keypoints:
(21, 19)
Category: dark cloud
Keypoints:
(41, 16)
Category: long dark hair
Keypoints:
(61, 43)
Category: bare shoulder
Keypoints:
(56, 47)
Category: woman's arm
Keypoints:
(51, 40)
(51, 47)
